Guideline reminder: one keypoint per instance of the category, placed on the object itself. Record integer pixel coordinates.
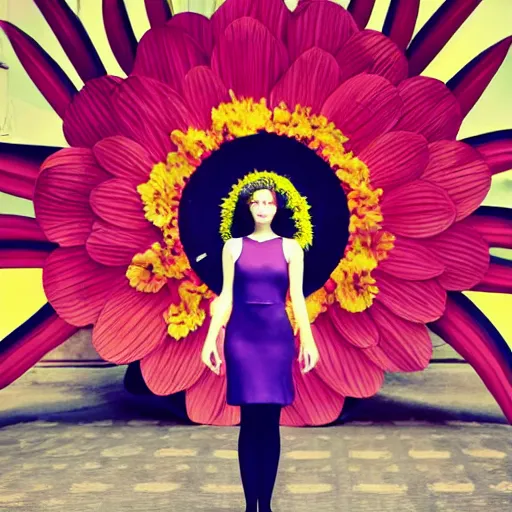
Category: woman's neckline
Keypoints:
(263, 241)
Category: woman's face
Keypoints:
(263, 206)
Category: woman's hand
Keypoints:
(210, 348)
(308, 353)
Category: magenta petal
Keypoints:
(429, 108)
(361, 11)
(498, 278)
(131, 325)
(436, 32)
(249, 59)
(76, 286)
(325, 25)
(363, 108)
(204, 90)
(462, 172)
(472, 80)
(73, 37)
(158, 11)
(118, 202)
(167, 54)
(89, 117)
(418, 209)
(371, 52)
(124, 158)
(148, 112)
(406, 344)
(412, 260)
(416, 301)
(17, 227)
(196, 26)
(19, 167)
(357, 329)
(21, 257)
(465, 255)
(400, 21)
(410, 157)
(114, 246)
(308, 81)
(44, 72)
(61, 197)
(495, 147)
(272, 13)
(494, 225)
(120, 34)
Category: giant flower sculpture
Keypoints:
(107, 228)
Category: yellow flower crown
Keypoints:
(281, 185)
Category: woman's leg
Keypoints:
(248, 451)
(269, 418)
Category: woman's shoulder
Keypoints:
(292, 243)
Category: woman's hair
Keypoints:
(243, 222)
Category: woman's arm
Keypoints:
(223, 303)
(296, 273)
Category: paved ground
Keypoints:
(73, 440)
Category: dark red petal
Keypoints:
(363, 108)
(409, 158)
(44, 72)
(406, 345)
(465, 255)
(16, 227)
(494, 225)
(118, 202)
(148, 112)
(342, 366)
(412, 261)
(461, 171)
(371, 52)
(361, 11)
(167, 54)
(325, 25)
(204, 90)
(76, 286)
(418, 209)
(356, 328)
(25, 346)
(120, 34)
(308, 81)
(472, 80)
(416, 301)
(158, 11)
(498, 278)
(205, 400)
(61, 198)
(495, 147)
(429, 108)
(400, 21)
(196, 26)
(249, 59)
(24, 255)
(131, 325)
(114, 246)
(472, 335)
(19, 167)
(174, 366)
(73, 37)
(272, 13)
(89, 118)
(436, 32)
(124, 158)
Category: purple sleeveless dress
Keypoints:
(259, 344)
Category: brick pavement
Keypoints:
(73, 457)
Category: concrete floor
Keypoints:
(74, 440)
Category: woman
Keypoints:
(259, 344)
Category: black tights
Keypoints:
(259, 448)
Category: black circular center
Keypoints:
(200, 206)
